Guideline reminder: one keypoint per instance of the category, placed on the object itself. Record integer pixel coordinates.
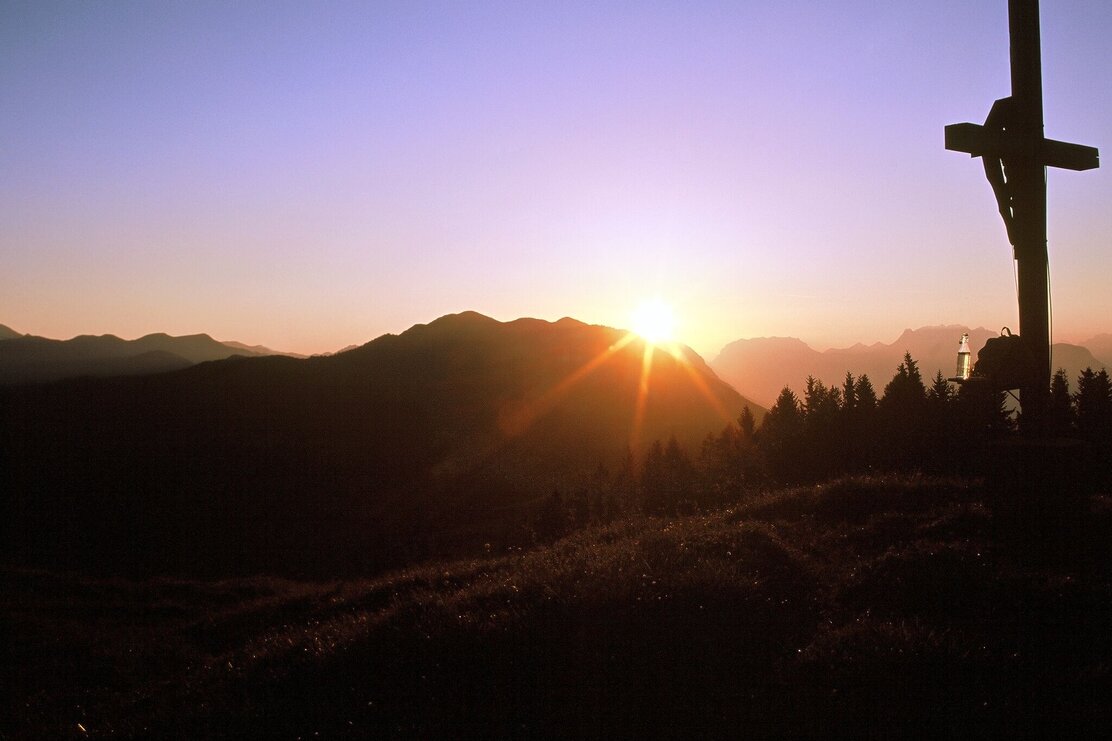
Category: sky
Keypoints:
(310, 175)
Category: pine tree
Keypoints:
(905, 392)
(1061, 416)
(821, 446)
(913, 371)
(942, 445)
(780, 435)
(820, 404)
(860, 427)
(1094, 404)
(849, 394)
(785, 418)
(746, 423)
(940, 393)
(864, 394)
(903, 423)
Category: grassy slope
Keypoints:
(876, 606)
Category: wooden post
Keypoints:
(1029, 197)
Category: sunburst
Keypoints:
(655, 321)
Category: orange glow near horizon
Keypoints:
(515, 421)
(700, 384)
(520, 419)
(642, 397)
(307, 205)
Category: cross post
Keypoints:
(1015, 155)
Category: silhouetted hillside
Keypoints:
(30, 359)
(864, 608)
(761, 367)
(7, 333)
(260, 350)
(427, 442)
(1074, 358)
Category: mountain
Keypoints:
(761, 367)
(7, 333)
(261, 350)
(1074, 359)
(26, 358)
(419, 443)
(1101, 347)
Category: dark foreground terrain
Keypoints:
(866, 606)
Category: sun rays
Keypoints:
(517, 421)
(654, 326)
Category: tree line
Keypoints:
(912, 427)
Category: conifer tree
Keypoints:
(785, 418)
(821, 445)
(820, 404)
(903, 423)
(1094, 404)
(746, 423)
(779, 436)
(942, 444)
(860, 423)
(865, 395)
(940, 393)
(1061, 416)
(849, 394)
(905, 392)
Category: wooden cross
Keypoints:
(1015, 156)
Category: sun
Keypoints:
(654, 320)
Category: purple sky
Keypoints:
(311, 175)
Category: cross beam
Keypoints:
(1015, 155)
(978, 141)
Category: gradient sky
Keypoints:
(311, 175)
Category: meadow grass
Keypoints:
(868, 606)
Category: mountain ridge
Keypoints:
(34, 359)
(437, 438)
(760, 367)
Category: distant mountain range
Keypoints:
(1100, 346)
(31, 359)
(761, 367)
(263, 463)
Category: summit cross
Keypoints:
(1015, 155)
